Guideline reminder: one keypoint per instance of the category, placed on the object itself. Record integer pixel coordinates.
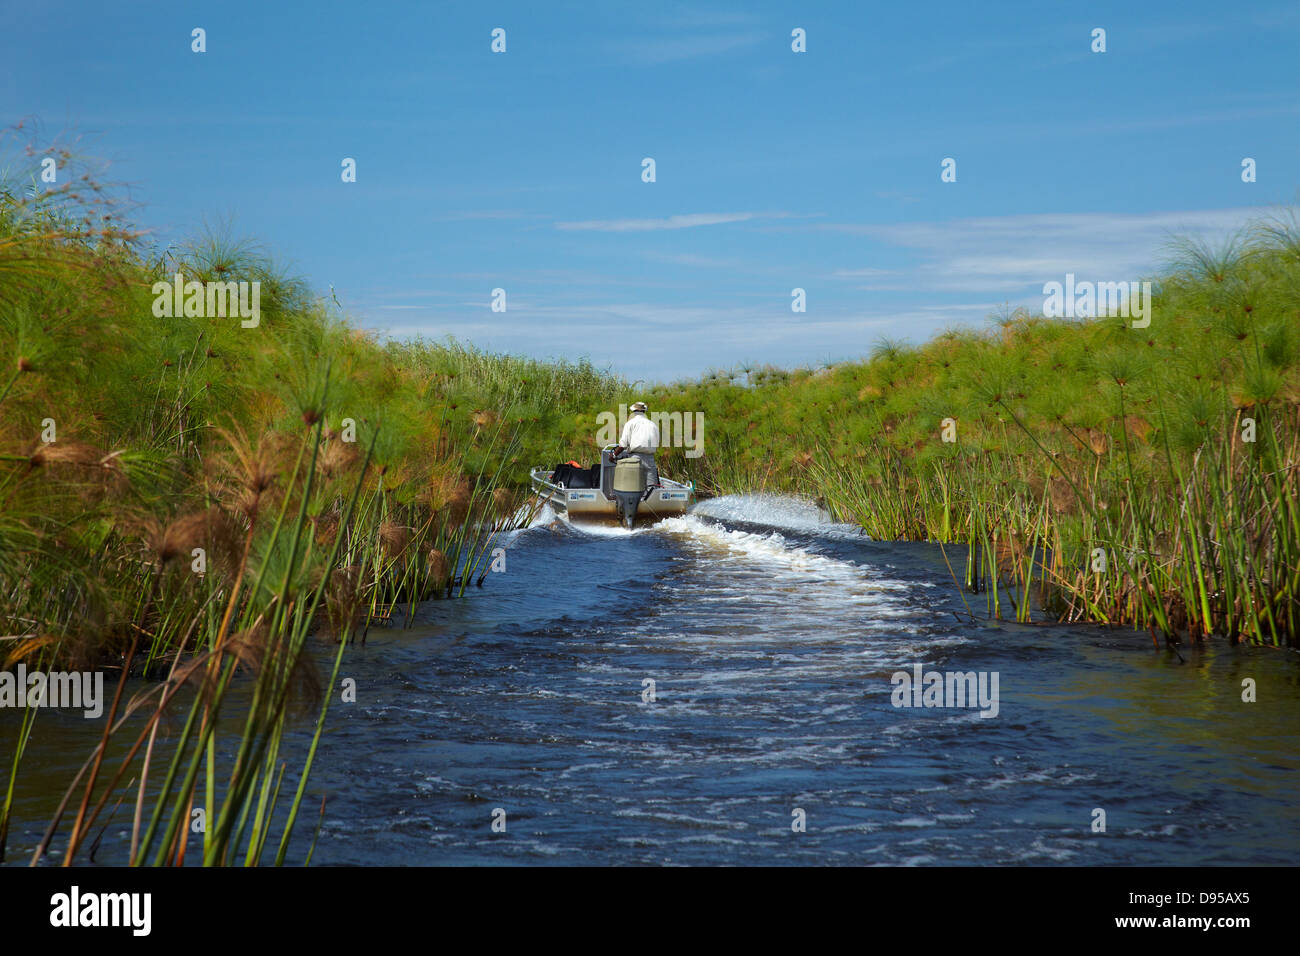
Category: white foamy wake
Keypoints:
(761, 612)
(776, 511)
(541, 518)
(771, 548)
(547, 517)
(779, 564)
(771, 611)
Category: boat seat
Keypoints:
(580, 477)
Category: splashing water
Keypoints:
(674, 694)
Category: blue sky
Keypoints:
(775, 170)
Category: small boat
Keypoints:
(613, 490)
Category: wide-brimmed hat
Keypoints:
(638, 406)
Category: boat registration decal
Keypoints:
(582, 495)
(670, 495)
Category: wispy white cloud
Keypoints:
(862, 273)
(897, 196)
(1006, 254)
(689, 221)
(1050, 47)
(926, 276)
(689, 259)
(715, 333)
(684, 221)
(686, 15)
(670, 49)
(474, 215)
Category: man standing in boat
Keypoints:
(640, 439)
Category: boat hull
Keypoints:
(673, 498)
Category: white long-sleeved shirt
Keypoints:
(640, 434)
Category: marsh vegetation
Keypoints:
(192, 502)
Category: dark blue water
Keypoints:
(771, 637)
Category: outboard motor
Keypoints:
(629, 488)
